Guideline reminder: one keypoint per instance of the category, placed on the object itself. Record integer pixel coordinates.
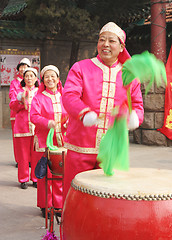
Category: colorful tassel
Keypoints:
(49, 141)
(50, 236)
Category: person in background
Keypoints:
(92, 89)
(48, 112)
(23, 128)
(14, 87)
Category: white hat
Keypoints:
(31, 69)
(49, 67)
(112, 27)
(25, 61)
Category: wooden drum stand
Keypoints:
(56, 165)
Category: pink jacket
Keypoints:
(23, 126)
(14, 88)
(47, 106)
(91, 85)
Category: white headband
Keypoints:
(112, 27)
(50, 67)
(31, 69)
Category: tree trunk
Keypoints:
(74, 52)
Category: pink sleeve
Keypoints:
(73, 91)
(36, 116)
(15, 104)
(137, 101)
(12, 91)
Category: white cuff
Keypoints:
(90, 119)
(133, 121)
(19, 96)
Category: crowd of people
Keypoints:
(92, 89)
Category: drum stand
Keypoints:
(52, 210)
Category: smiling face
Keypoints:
(51, 80)
(30, 79)
(109, 47)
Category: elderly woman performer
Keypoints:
(47, 112)
(93, 87)
(14, 87)
(23, 128)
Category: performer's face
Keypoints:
(30, 79)
(51, 80)
(22, 68)
(109, 47)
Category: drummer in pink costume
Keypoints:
(92, 89)
(23, 128)
(47, 112)
(14, 87)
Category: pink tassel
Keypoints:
(50, 236)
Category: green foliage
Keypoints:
(55, 17)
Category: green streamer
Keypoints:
(114, 145)
(146, 67)
(50, 140)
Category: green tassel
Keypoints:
(113, 150)
(146, 67)
(50, 140)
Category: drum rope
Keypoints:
(157, 197)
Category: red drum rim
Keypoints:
(58, 152)
(147, 184)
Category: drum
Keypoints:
(56, 163)
(133, 205)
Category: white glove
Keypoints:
(19, 96)
(90, 119)
(133, 121)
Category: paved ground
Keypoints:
(20, 219)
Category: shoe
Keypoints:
(35, 184)
(16, 165)
(24, 185)
(58, 214)
(43, 213)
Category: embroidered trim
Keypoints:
(12, 118)
(23, 134)
(36, 145)
(80, 149)
(108, 94)
(83, 112)
(55, 98)
(19, 79)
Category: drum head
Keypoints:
(140, 183)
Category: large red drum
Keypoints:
(56, 161)
(133, 205)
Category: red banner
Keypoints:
(167, 127)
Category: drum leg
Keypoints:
(46, 202)
(51, 220)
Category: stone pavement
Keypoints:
(20, 219)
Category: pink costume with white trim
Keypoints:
(47, 106)
(14, 88)
(23, 133)
(92, 86)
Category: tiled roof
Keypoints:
(168, 15)
(17, 30)
(13, 8)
